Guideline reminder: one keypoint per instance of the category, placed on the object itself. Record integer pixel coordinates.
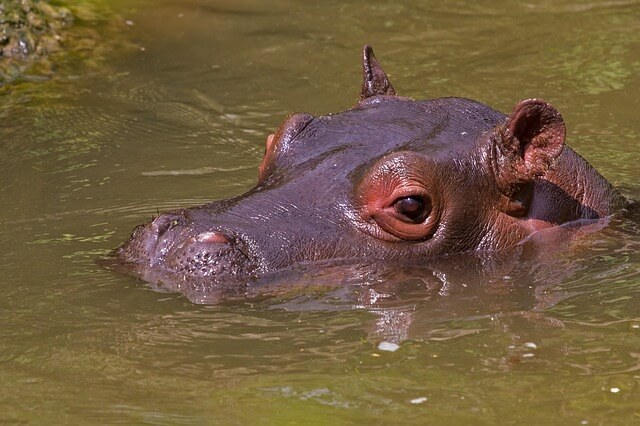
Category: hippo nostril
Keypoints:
(165, 222)
(137, 231)
(213, 237)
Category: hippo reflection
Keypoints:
(392, 179)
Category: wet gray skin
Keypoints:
(391, 179)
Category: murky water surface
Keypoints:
(181, 121)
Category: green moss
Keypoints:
(38, 38)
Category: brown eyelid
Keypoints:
(400, 175)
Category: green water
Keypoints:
(181, 120)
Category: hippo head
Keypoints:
(390, 179)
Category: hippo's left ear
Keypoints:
(375, 80)
(526, 145)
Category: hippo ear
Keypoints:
(375, 80)
(526, 145)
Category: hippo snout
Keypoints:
(151, 242)
(169, 242)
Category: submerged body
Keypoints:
(391, 179)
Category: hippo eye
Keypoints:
(413, 209)
(398, 199)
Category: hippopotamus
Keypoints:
(391, 179)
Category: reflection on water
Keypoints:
(183, 121)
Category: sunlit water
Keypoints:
(181, 121)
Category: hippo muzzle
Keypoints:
(172, 244)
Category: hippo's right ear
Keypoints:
(374, 79)
(526, 145)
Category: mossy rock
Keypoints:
(37, 37)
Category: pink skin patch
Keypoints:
(270, 141)
(268, 153)
(212, 237)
